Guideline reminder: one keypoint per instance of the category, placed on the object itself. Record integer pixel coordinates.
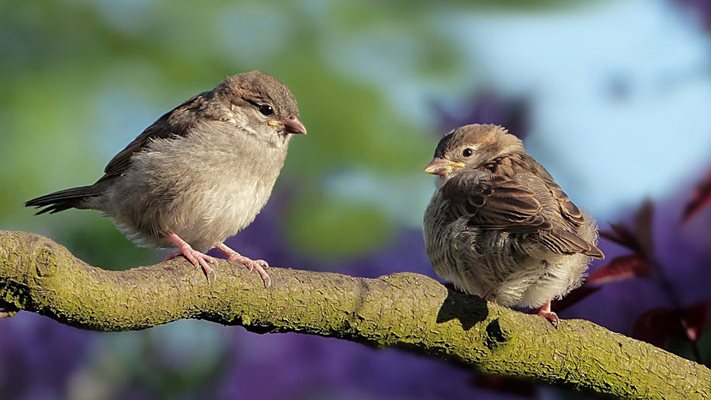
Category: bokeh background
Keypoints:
(612, 96)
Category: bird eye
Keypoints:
(266, 109)
(468, 152)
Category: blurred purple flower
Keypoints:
(329, 368)
(38, 356)
(702, 8)
(294, 366)
(679, 279)
(487, 107)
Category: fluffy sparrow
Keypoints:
(498, 226)
(199, 174)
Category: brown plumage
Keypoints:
(198, 174)
(499, 226)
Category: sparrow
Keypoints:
(198, 174)
(499, 226)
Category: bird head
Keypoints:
(266, 103)
(470, 146)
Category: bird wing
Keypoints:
(495, 202)
(563, 241)
(176, 122)
(567, 208)
(502, 203)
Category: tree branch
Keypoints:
(403, 310)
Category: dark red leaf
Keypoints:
(620, 268)
(623, 236)
(649, 327)
(643, 227)
(658, 325)
(639, 239)
(699, 199)
(574, 297)
(693, 320)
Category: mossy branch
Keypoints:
(403, 310)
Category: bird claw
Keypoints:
(203, 261)
(490, 297)
(258, 263)
(250, 264)
(210, 274)
(253, 265)
(195, 257)
(551, 316)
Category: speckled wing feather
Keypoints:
(563, 241)
(568, 209)
(175, 122)
(496, 202)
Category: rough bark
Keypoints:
(403, 310)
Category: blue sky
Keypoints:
(633, 73)
(620, 93)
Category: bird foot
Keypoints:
(251, 265)
(195, 257)
(490, 297)
(545, 312)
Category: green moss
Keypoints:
(404, 310)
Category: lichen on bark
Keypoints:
(403, 310)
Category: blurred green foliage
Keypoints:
(80, 79)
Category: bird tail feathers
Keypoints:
(63, 199)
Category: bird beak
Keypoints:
(294, 126)
(442, 167)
